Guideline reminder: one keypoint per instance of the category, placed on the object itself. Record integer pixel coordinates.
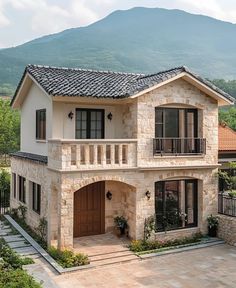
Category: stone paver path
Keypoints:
(105, 249)
(40, 270)
(212, 267)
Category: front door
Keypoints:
(89, 210)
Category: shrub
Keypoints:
(10, 259)
(67, 258)
(11, 273)
(17, 278)
(22, 210)
(144, 245)
(5, 187)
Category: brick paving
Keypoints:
(212, 267)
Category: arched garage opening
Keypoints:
(94, 212)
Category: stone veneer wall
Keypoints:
(176, 93)
(34, 172)
(227, 229)
(65, 184)
(174, 234)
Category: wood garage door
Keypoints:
(89, 210)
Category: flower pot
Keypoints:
(212, 231)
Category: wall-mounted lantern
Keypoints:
(148, 194)
(71, 115)
(109, 116)
(109, 195)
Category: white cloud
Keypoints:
(4, 21)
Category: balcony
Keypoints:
(179, 146)
(90, 154)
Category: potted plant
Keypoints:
(121, 224)
(213, 223)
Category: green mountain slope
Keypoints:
(136, 40)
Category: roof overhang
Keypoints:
(23, 89)
(222, 101)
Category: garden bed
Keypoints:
(11, 269)
(142, 247)
(62, 261)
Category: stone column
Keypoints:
(66, 210)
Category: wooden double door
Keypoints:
(89, 210)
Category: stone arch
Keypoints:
(123, 202)
(86, 181)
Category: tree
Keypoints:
(228, 117)
(9, 130)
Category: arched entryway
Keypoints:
(89, 210)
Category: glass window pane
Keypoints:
(171, 123)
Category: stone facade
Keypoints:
(33, 172)
(128, 183)
(227, 229)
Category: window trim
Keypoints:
(88, 122)
(14, 185)
(196, 204)
(186, 110)
(22, 189)
(36, 192)
(38, 120)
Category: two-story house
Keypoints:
(95, 145)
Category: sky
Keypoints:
(24, 20)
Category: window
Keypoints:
(89, 124)
(36, 197)
(176, 131)
(22, 189)
(176, 204)
(41, 124)
(176, 123)
(14, 184)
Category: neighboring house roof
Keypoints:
(227, 139)
(103, 84)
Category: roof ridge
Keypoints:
(85, 70)
(184, 68)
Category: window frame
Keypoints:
(163, 214)
(41, 132)
(14, 185)
(36, 197)
(186, 111)
(88, 122)
(22, 189)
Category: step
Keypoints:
(26, 250)
(113, 255)
(18, 244)
(115, 260)
(13, 238)
(111, 252)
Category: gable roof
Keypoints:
(227, 138)
(73, 82)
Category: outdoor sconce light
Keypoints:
(109, 116)
(109, 195)
(71, 115)
(148, 194)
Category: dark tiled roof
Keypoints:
(30, 156)
(89, 83)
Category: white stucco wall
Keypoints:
(35, 99)
(64, 127)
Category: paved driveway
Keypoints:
(212, 267)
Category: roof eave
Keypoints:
(222, 100)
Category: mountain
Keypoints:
(136, 40)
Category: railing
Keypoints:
(179, 146)
(92, 154)
(226, 205)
